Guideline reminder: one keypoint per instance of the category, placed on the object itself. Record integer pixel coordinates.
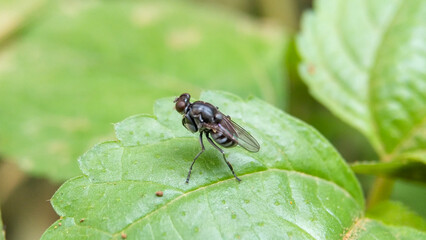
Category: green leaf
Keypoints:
(84, 65)
(365, 61)
(404, 168)
(410, 193)
(370, 229)
(397, 214)
(2, 230)
(296, 186)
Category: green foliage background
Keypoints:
(70, 70)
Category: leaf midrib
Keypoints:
(378, 141)
(232, 179)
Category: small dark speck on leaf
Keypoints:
(159, 193)
(82, 220)
(123, 235)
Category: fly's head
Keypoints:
(182, 102)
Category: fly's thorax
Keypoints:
(204, 112)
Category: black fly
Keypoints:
(206, 118)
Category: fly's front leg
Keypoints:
(223, 154)
(188, 123)
(202, 150)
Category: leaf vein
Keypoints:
(408, 136)
(174, 227)
(211, 212)
(150, 229)
(325, 208)
(350, 52)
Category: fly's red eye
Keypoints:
(180, 106)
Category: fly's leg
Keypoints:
(202, 150)
(223, 154)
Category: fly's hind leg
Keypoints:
(202, 150)
(223, 154)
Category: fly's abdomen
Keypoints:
(223, 140)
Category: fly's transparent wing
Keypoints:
(244, 138)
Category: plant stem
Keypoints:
(380, 191)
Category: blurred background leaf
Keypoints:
(84, 65)
(397, 214)
(304, 106)
(411, 194)
(405, 168)
(370, 72)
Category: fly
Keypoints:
(205, 118)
